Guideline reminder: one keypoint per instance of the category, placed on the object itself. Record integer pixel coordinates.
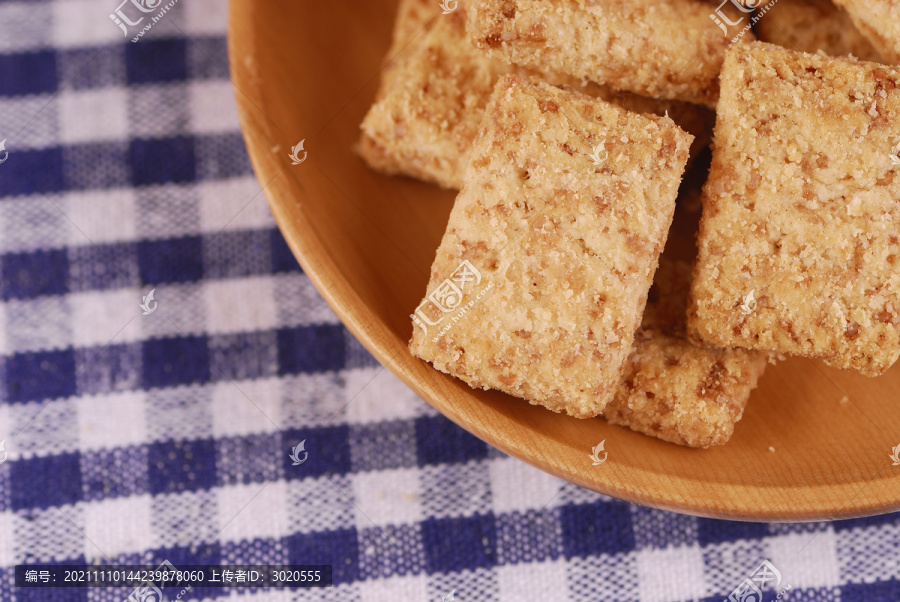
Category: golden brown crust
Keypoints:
(735, 18)
(800, 209)
(656, 48)
(564, 248)
(692, 118)
(429, 107)
(880, 21)
(675, 390)
(813, 25)
(414, 19)
(425, 119)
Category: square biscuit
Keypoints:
(675, 390)
(413, 16)
(880, 21)
(813, 25)
(656, 48)
(428, 109)
(426, 115)
(414, 19)
(799, 250)
(694, 119)
(540, 280)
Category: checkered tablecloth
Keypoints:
(134, 436)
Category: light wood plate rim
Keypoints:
(488, 415)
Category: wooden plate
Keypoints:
(308, 71)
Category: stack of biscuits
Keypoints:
(576, 131)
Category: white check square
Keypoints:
(370, 388)
(387, 497)
(204, 17)
(118, 526)
(671, 574)
(252, 511)
(7, 531)
(532, 582)
(233, 204)
(394, 589)
(806, 560)
(110, 421)
(93, 115)
(516, 486)
(240, 305)
(213, 106)
(99, 216)
(85, 23)
(246, 407)
(102, 317)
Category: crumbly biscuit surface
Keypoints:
(656, 48)
(673, 389)
(426, 116)
(813, 25)
(880, 21)
(799, 244)
(413, 21)
(541, 278)
(431, 102)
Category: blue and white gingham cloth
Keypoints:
(133, 438)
